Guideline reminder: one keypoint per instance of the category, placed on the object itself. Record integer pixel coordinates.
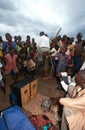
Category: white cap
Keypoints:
(1, 65)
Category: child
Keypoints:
(53, 50)
(21, 59)
(30, 65)
(2, 84)
(11, 64)
(53, 60)
(34, 54)
(62, 60)
(9, 43)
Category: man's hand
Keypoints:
(75, 91)
(82, 92)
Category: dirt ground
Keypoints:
(46, 87)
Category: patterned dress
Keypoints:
(62, 62)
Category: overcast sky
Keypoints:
(23, 17)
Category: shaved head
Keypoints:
(80, 77)
(81, 73)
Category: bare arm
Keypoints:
(77, 103)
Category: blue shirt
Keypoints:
(5, 47)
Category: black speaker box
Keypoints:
(22, 91)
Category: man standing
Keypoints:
(43, 44)
(78, 53)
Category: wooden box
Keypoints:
(25, 94)
(33, 88)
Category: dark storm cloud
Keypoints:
(67, 14)
(30, 25)
(8, 17)
(12, 18)
(8, 12)
(76, 16)
(7, 5)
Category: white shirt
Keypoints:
(83, 66)
(54, 52)
(0, 71)
(44, 41)
(71, 81)
(0, 75)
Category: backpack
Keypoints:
(40, 122)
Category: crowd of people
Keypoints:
(65, 57)
(16, 57)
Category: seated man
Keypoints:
(74, 106)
